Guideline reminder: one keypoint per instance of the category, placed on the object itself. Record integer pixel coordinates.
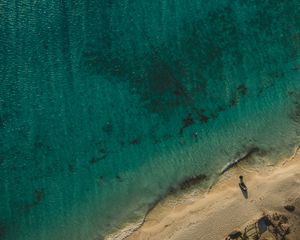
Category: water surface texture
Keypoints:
(107, 105)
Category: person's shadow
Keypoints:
(243, 187)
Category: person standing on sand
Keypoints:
(242, 184)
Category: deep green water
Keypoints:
(107, 105)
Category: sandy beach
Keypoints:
(223, 209)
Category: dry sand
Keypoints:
(212, 215)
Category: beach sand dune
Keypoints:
(224, 208)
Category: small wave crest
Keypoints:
(126, 231)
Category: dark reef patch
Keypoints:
(38, 196)
(203, 118)
(214, 115)
(108, 127)
(295, 111)
(135, 141)
(188, 121)
(221, 109)
(276, 75)
(233, 101)
(167, 75)
(166, 90)
(163, 80)
(98, 159)
(296, 68)
(71, 168)
(119, 178)
(101, 152)
(167, 136)
(242, 90)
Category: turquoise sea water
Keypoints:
(107, 105)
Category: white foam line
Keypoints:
(126, 231)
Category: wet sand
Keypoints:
(216, 213)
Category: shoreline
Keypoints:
(185, 216)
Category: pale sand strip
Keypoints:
(215, 214)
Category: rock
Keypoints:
(234, 235)
(283, 219)
(290, 208)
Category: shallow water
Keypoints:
(106, 106)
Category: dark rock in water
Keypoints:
(290, 208)
(118, 177)
(38, 196)
(97, 159)
(103, 150)
(135, 141)
(188, 121)
(108, 127)
(221, 109)
(242, 90)
(172, 190)
(234, 235)
(71, 168)
(233, 101)
(192, 181)
(203, 118)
